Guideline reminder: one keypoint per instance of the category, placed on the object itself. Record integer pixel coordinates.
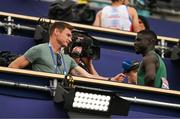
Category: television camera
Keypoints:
(88, 46)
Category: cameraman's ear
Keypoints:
(56, 31)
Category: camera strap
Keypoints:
(57, 69)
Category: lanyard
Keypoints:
(57, 69)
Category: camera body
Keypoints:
(83, 45)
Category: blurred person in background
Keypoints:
(118, 15)
(143, 23)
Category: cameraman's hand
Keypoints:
(119, 77)
(87, 61)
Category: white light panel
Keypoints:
(91, 101)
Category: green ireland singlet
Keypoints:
(160, 73)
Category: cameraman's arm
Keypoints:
(79, 71)
(89, 65)
(20, 62)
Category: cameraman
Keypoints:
(49, 57)
(84, 62)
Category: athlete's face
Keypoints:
(141, 44)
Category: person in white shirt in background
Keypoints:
(118, 15)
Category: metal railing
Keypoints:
(152, 102)
(10, 25)
(131, 99)
(24, 85)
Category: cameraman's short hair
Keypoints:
(114, 0)
(60, 25)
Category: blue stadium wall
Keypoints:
(106, 66)
(39, 8)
